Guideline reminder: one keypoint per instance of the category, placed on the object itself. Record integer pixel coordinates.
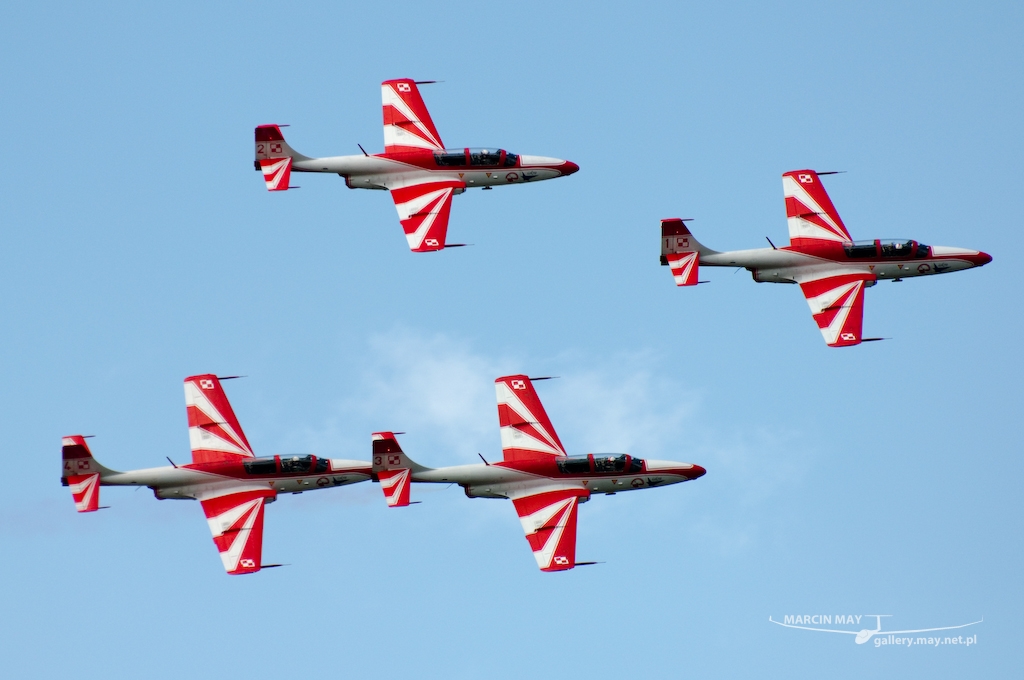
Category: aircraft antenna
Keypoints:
(362, 149)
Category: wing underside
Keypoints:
(423, 210)
(549, 522)
(236, 522)
(837, 304)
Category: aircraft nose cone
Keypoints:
(568, 167)
(697, 471)
(982, 259)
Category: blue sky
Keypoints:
(139, 247)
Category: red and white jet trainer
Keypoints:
(225, 477)
(421, 174)
(832, 269)
(544, 484)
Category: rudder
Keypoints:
(81, 473)
(393, 469)
(274, 157)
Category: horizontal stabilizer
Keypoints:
(393, 469)
(396, 487)
(274, 157)
(81, 473)
(277, 173)
(684, 267)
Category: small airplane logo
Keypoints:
(866, 634)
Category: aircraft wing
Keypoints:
(526, 429)
(837, 303)
(407, 124)
(236, 522)
(809, 211)
(423, 210)
(213, 429)
(549, 522)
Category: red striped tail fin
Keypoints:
(393, 469)
(274, 157)
(81, 473)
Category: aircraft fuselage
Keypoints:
(883, 259)
(511, 478)
(387, 171)
(282, 474)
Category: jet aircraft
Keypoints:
(421, 174)
(544, 484)
(832, 269)
(231, 484)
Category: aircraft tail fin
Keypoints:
(274, 157)
(82, 473)
(681, 251)
(393, 469)
(677, 238)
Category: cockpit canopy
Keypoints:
(901, 249)
(286, 465)
(483, 158)
(599, 463)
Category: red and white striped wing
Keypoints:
(549, 522)
(526, 430)
(395, 484)
(423, 210)
(213, 430)
(277, 173)
(236, 522)
(684, 267)
(809, 210)
(407, 124)
(837, 303)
